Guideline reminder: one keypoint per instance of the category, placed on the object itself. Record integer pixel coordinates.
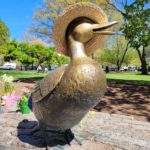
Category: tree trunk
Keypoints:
(144, 70)
(118, 58)
(118, 65)
(144, 67)
(123, 57)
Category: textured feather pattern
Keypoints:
(48, 84)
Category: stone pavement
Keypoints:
(97, 131)
(122, 132)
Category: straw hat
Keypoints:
(81, 9)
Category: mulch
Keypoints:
(120, 98)
(127, 99)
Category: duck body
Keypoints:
(66, 95)
(81, 86)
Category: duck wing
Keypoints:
(47, 85)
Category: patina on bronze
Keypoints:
(66, 95)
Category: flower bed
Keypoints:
(8, 97)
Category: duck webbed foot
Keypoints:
(28, 128)
(37, 133)
(53, 137)
(59, 139)
(69, 136)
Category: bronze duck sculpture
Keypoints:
(66, 95)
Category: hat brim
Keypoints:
(71, 13)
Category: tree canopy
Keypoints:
(33, 54)
(44, 17)
(118, 54)
(4, 33)
(136, 29)
(136, 26)
(136, 15)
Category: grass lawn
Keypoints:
(129, 77)
(23, 74)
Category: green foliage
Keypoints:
(62, 59)
(33, 54)
(136, 16)
(3, 49)
(57, 59)
(12, 47)
(110, 56)
(136, 29)
(136, 25)
(118, 54)
(9, 87)
(148, 55)
(4, 33)
(45, 15)
(6, 84)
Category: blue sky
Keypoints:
(17, 14)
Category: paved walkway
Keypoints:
(98, 131)
(122, 132)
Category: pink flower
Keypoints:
(9, 99)
(26, 90)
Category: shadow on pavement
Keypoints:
(127, 99)
(25, 134)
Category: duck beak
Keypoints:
(97, 28)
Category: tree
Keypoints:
(121, 48)
(3, 49)
(19, 51)
(47, 55)
(11, 47)
(136, 27)
(4, 39)
(27, 37)
(39, 52)
(109, 57)
(148, 55)
(4, 33)
(59, 59)
(31, 54)
(26, 55)
(136, 30)
(44, 17)
(118, 54)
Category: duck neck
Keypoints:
(76, 48)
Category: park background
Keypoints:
(126, 55)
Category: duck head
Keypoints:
(83, 30)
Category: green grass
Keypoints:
(23, 74)
(128, 77)
(124, 77)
